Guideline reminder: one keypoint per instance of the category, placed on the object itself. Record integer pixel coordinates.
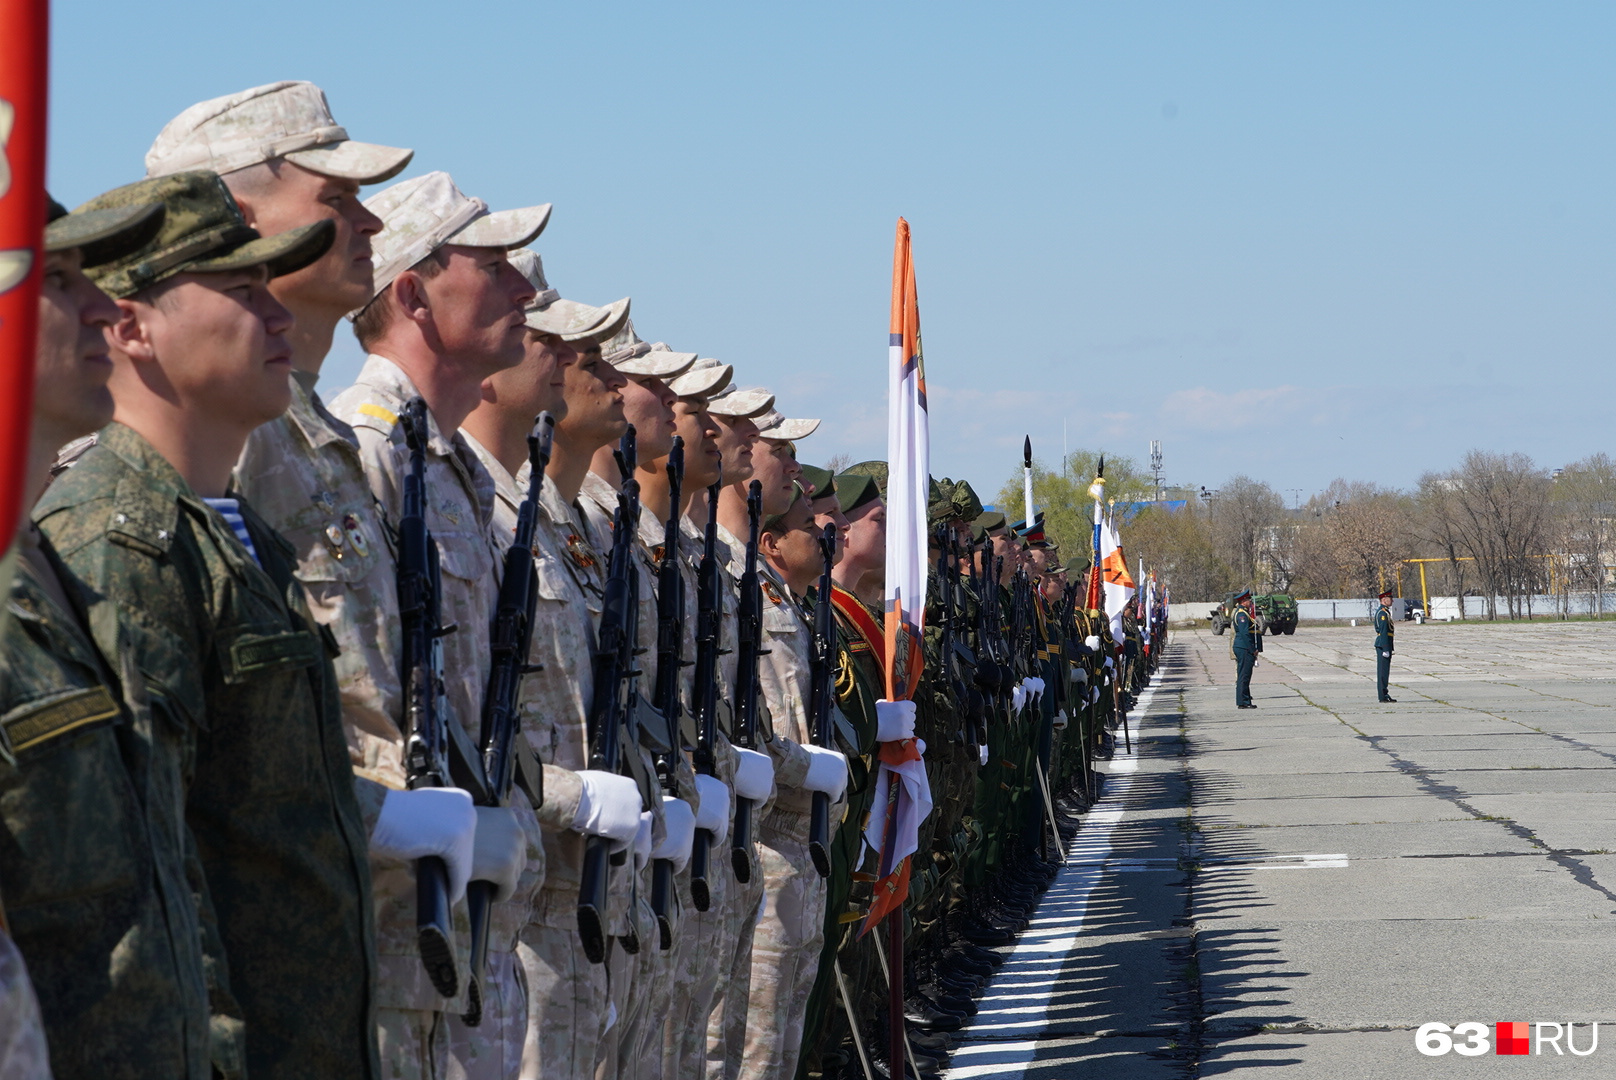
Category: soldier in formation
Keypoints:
(514, 712)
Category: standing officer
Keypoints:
(1383, 645)
(1246, 645)
(200, 589)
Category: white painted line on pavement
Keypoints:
(1059, 923)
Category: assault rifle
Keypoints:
(709, 616)
(948, 590)
(426, 744)
(821, 689)
(610, 708)
(748, 648)
(501, 721)
(670, 659)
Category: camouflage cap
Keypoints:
(1077, 566)
(566, 319)
(629, 354)
(821, 483)
(854, 490)
(288, 120)
(967, 506)
(773, 425)
(705, 378)
(737, 402)
(877, 470)
(102, 235)
(202, 232)
(422, 214)
(989, 521)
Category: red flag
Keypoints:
(24, 53)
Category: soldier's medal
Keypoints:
(450, 513)
(326, 499)
(579, 551)
(356, 535)
(771, 592)
(333, 535)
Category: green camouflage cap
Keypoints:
(853, 490)
(202, 232)
(875, 469)
(822, 481)
(102, 235)
(988, 521)
(967, 506)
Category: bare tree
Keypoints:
(1244, 515)
(1501, 517)
(1584, 494)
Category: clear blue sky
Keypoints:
(1244, 229)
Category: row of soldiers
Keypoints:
(262, 812)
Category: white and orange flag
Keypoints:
(1114, 577)
(902, 794)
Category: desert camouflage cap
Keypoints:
(288, 120)
(629, 354)
(705, 378)
(774, 425)
(202, 232)
(102, 235)
(422, 214)
(737, 402)
(568, 320)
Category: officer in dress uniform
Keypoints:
(1383, 645)
(1246, 645)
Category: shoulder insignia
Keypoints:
(385, 415)
(38, 722)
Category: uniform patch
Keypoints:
(387, 416)
(41, 721)
(254, 654)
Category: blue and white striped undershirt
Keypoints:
(230, 510)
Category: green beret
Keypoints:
(876, 469)
(203, 232)
(853, 490)
(822, 481)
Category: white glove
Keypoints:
(500, 851)
(754, 775)
(642, 841)
(1092, 642)
(429, 821)
(680, 823)
(982, 755)
(827, 771)
(1061, 720)
(609, 806)
(1109, 664)
(1035, 687)
(1018, 697)
(1080, 677)
(714, 813)
(894, 720)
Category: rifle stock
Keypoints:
(748, 645)
(501, 720)
(822, 688)
(426, 739)
(709, 616)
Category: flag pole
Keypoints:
(1097, 493)
(1026, 477)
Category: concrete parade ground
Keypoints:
(1301, 886)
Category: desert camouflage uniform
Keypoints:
(791, 929)
(705, 950)
(96, 845)
(566, 994)
(235, 664)
(635, 979)
(460, 505)
(22, 1035)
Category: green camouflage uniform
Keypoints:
(235, 665)
(98, 897)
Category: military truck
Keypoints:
(1278, 610)
(1276, 613)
